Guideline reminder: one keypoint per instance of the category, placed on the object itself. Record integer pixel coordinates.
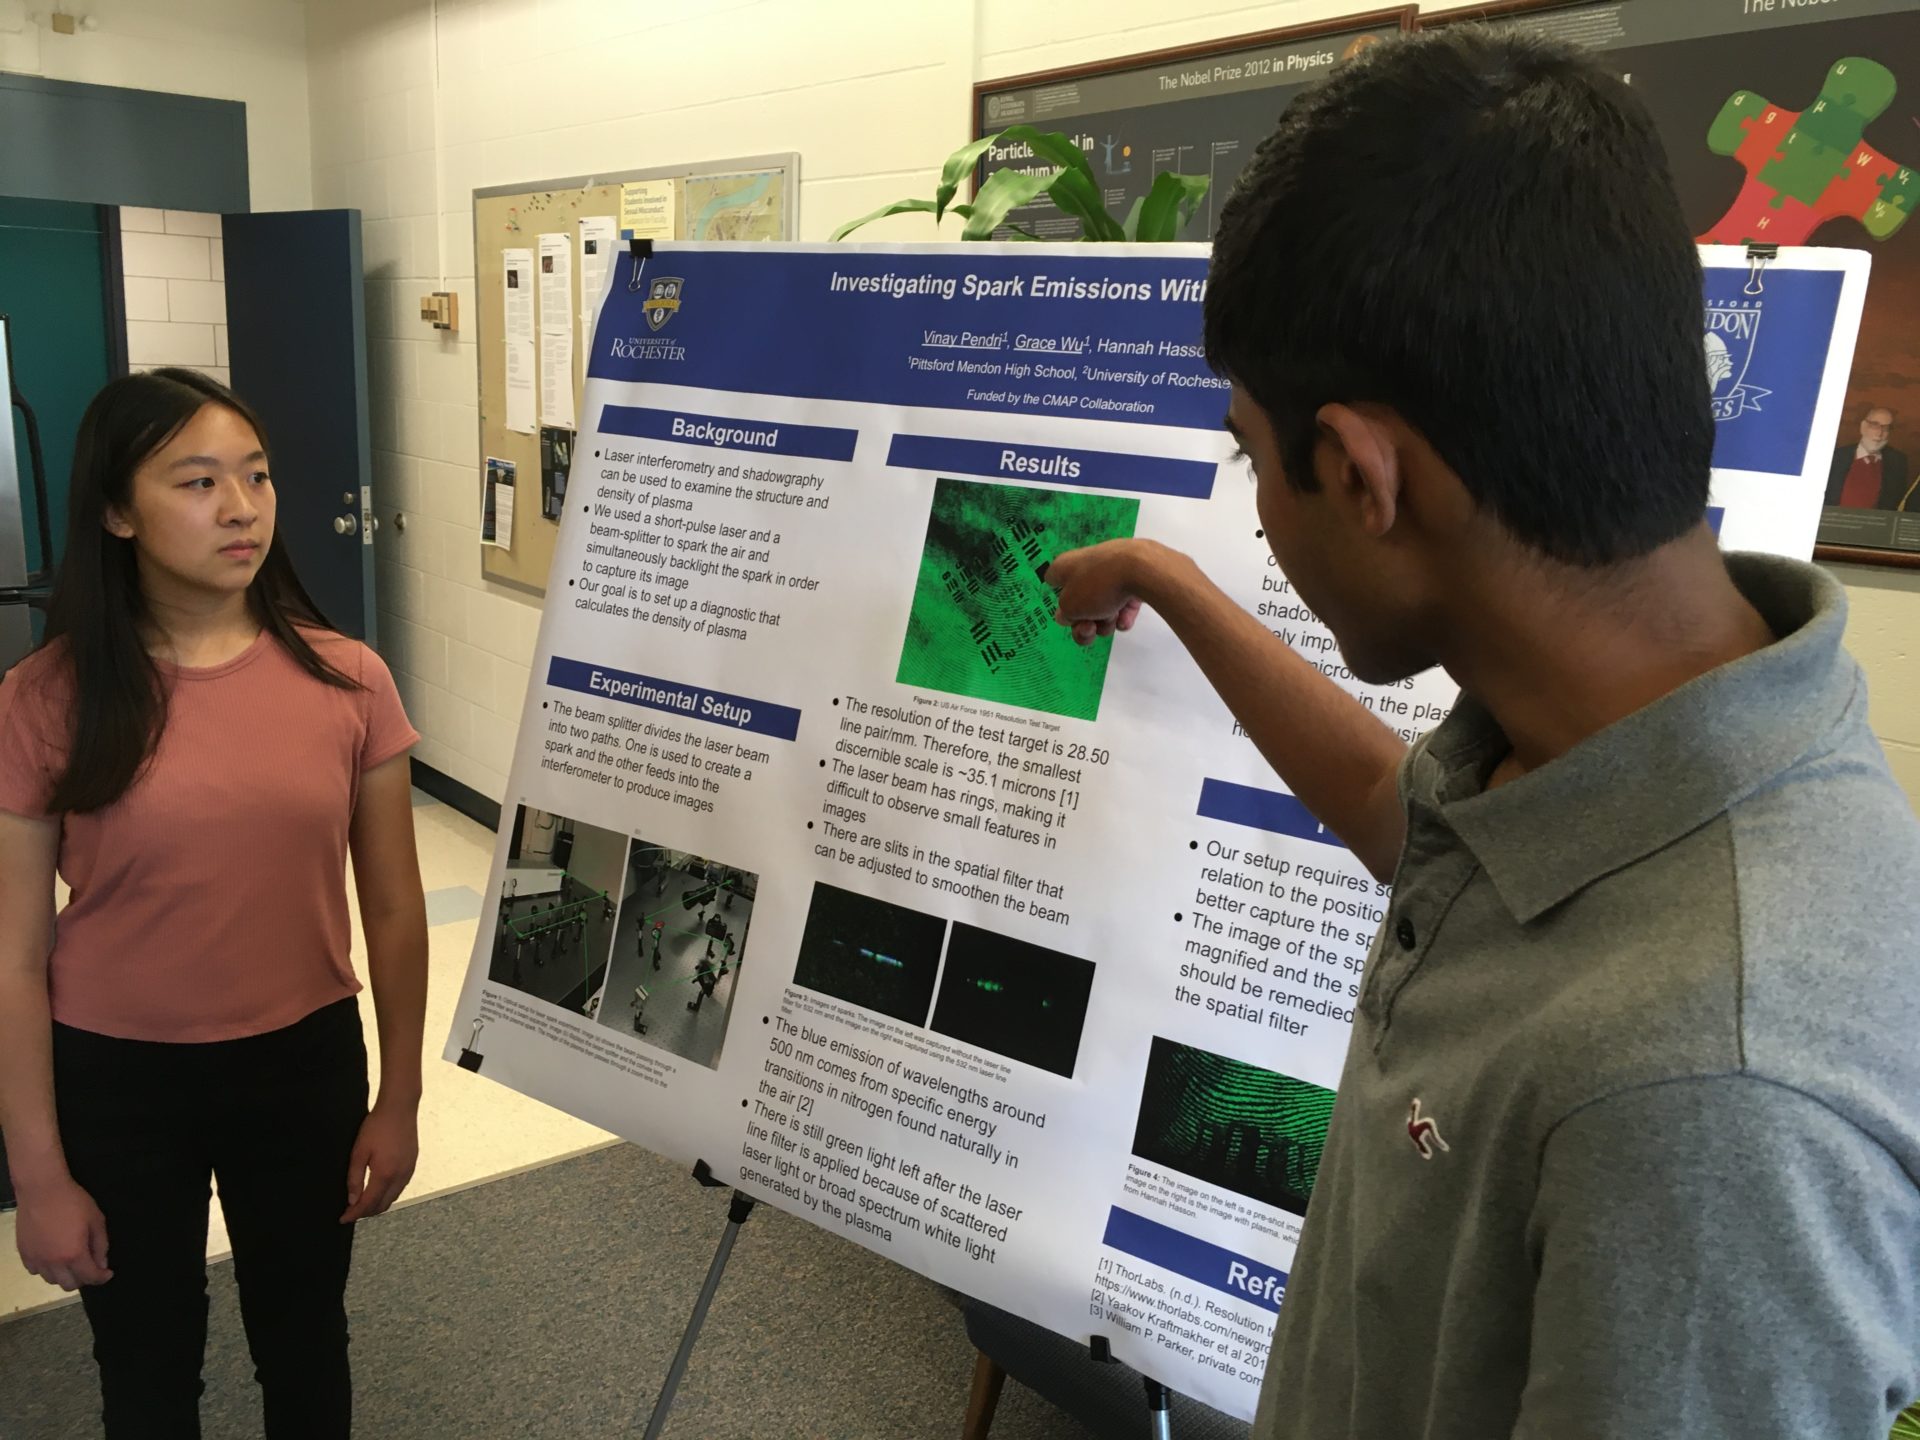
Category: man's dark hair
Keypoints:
(1479, 230)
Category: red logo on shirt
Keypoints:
(1423, 1132)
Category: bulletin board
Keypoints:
(756, 198)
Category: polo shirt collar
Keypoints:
(1662, 772)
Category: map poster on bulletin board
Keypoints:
(1796, 125)
(1199, 110)
(735, 207)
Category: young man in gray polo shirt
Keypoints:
(1628, 1137)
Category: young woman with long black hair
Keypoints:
(196, 754)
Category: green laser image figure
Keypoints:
(981, 621)
(1248, 1129)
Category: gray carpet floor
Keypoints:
(550, 1304)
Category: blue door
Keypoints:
(297, 342)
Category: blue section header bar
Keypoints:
(1093, 469)
(769, 437)
(695, 703)
(1262, 810)
(1089, 337)
(1253, 1281)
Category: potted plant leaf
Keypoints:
(1066, 178)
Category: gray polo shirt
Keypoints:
(1628, 1141)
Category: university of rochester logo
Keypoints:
(1733, 329)
(1424, 1132)
(663, 299)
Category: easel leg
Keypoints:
(738, 1209)
(1159, 1409)
(988, 1377)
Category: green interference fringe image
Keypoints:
(1255, 1132)
(982, 618)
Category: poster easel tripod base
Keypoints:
(739, 1208)
(1159, 1398)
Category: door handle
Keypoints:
(345, 524)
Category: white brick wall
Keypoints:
(409, 154)
(768, 78)
(166, 257)
(176, 293)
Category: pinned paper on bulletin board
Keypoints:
(556, 377)
(556, 329)
(496, 504)
(648, 208)
(598, 236)
(517, 287)
(556, 464)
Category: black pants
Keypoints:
(273, 1117)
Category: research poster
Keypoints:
(828, 859)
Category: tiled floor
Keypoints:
(471, 1130)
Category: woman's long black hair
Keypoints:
(119, 701)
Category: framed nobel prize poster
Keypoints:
(1195, 110)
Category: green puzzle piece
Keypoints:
(1899, 198)
(1804, 168)
(1728, 133)
(1822, 141)
(1832, 127)
(1865, 87)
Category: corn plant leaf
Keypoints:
(898, 207)
(1130, 227)
(1053, 147)
(1079, 197)
(958, 167)
(1004, 190)
(1168, 207)
(1077, 191)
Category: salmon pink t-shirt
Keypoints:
(209, 901)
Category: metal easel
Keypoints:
(739, 1208)
(1159, 1397)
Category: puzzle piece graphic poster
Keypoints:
(1806, 167)
(1792, 124)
